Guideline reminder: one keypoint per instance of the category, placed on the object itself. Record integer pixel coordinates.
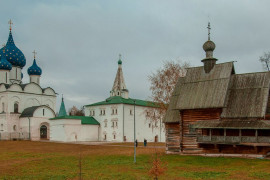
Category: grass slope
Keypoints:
(45, 160)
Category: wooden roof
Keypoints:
(232, 124)
(205, 90)
(239, 95)
(247, 96)
(172, 114)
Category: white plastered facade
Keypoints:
(70, 130)
(119, 127)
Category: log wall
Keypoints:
(189, 117)
(172, 137)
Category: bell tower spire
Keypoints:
(119, 86)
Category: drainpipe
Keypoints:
(29, 130)
(98, 132)
(123, 123)
(160, 130)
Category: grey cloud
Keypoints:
(78, 42)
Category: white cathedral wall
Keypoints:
(10, 119)
(25, 100)
(70, 130)
(125, 123)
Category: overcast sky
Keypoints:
(78, 42)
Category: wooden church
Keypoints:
(213, 110)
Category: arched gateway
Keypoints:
(43, 132)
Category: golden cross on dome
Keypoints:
(209, 28)
(10, 23)
(34, 52)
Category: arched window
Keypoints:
(16, 107)
(14, 128)
(6, 77)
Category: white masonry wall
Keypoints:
(71, 130)
(124, 128)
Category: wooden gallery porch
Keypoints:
(237, 136)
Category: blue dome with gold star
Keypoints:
(4, 64)
(34, 69)
(13, 54)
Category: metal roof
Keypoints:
(84, 119)
(29, 112)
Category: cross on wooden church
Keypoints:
(10, 24)
(209, 28)
(34, 52)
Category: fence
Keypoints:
(14, 136)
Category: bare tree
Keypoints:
(265, 60)
(74, 111)
(163, 82)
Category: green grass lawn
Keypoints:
(42, 160)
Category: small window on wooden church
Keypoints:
(16, 107)
(192, 130)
